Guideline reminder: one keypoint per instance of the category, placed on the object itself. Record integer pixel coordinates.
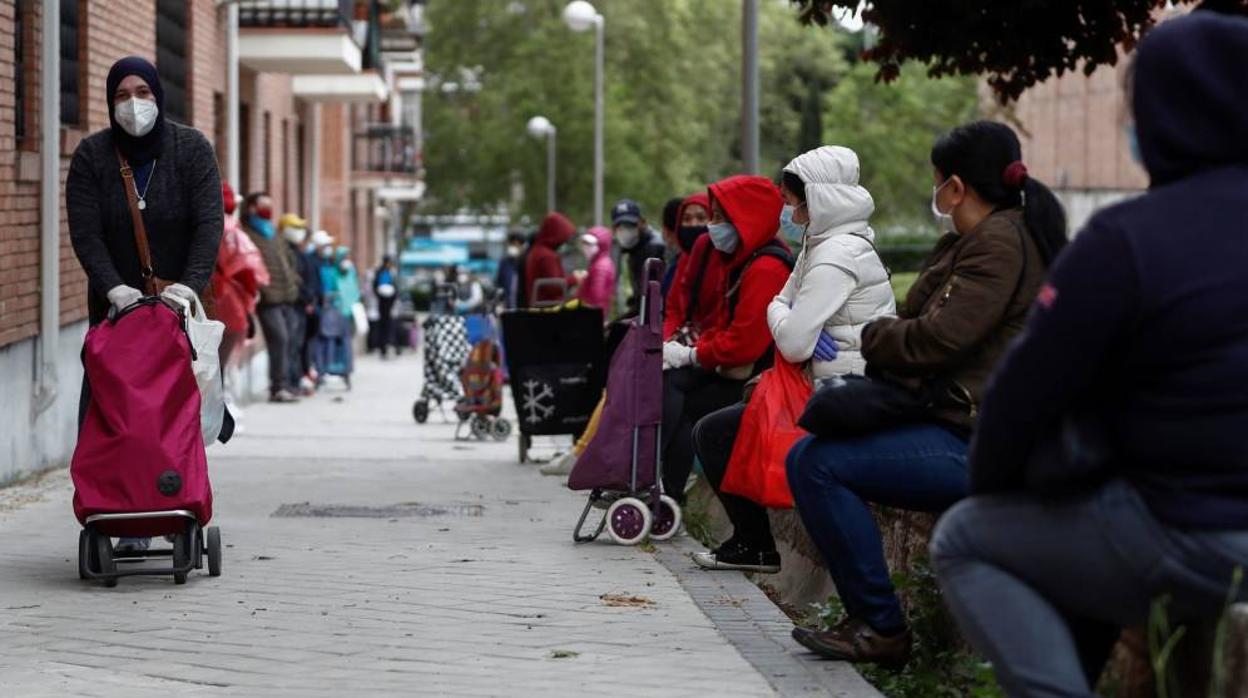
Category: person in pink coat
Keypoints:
(597, 286)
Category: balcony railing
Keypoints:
(383, 148)
(296, 13)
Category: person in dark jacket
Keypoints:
(1003, 229)
(177, 185)
(507, 278)
(542, 260)
(671, 223)
(294, 231)
(179, 193)
(278, 300)
(638, 242)
(1110, 468)
(711, 374)
(386, 288)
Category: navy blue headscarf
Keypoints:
(137, 151)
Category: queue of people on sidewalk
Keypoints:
(1075, 411)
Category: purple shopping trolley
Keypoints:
(622, 465)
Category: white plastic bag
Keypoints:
(205, 336)
(361, 319)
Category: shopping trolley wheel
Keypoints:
(214, 551)
(667, 522)
(628, 521)
(480, 427)
(86, 554)
(105, 564)
(420, 411)
(501, 429)
(183, 546)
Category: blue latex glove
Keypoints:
(825, 348)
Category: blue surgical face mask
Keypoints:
(724, 237)
(790, 230)
(264, 226)
(1133, 144)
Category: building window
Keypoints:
(299, 168)
(171, 56)
(71, 74)
(21, 16)
(287, 194)
(218, 133)
(244, 148)
(268, 152)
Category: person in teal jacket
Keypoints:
(348, 281)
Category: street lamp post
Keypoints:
(540, 127)
(749, 85)
(579, 15)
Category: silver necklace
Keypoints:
(143, 197)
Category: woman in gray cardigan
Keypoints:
(179, 193)
(175, 180)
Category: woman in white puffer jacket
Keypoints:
(839, 282)
(838, 285)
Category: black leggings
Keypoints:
(689, 394)
(713, 438)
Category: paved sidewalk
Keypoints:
(485, 596)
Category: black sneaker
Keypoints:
(739, 556)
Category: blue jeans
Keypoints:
(1015, 570)
(919, 467)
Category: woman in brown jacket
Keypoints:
(1002, 230)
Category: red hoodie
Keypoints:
(752, 204)
(542, 261)
(681, 293)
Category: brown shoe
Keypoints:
(852, 640)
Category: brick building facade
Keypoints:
(278, 146)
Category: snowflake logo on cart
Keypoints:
(535, 403)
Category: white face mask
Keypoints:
(627, 235)
(295, 236)
(724, 237)
(943, 220)
(588, 250)
(136, 116)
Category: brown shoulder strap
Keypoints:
(140, 232)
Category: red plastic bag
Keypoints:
(768, 430)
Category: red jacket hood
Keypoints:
(556, 229)
(753, 205)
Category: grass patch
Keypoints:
(902, 281)
(939, 665)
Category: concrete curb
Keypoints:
(758, 629)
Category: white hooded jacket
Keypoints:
(839, 283)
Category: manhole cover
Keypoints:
(403, 509)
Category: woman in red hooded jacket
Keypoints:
(694, 297)
(736, 342)
(542, 260)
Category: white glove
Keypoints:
(677, 355)
(178, 291)
(122, 296)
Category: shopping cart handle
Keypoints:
(654, 269)
(538, 285)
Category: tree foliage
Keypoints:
(1014, 44)
(673, 96)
